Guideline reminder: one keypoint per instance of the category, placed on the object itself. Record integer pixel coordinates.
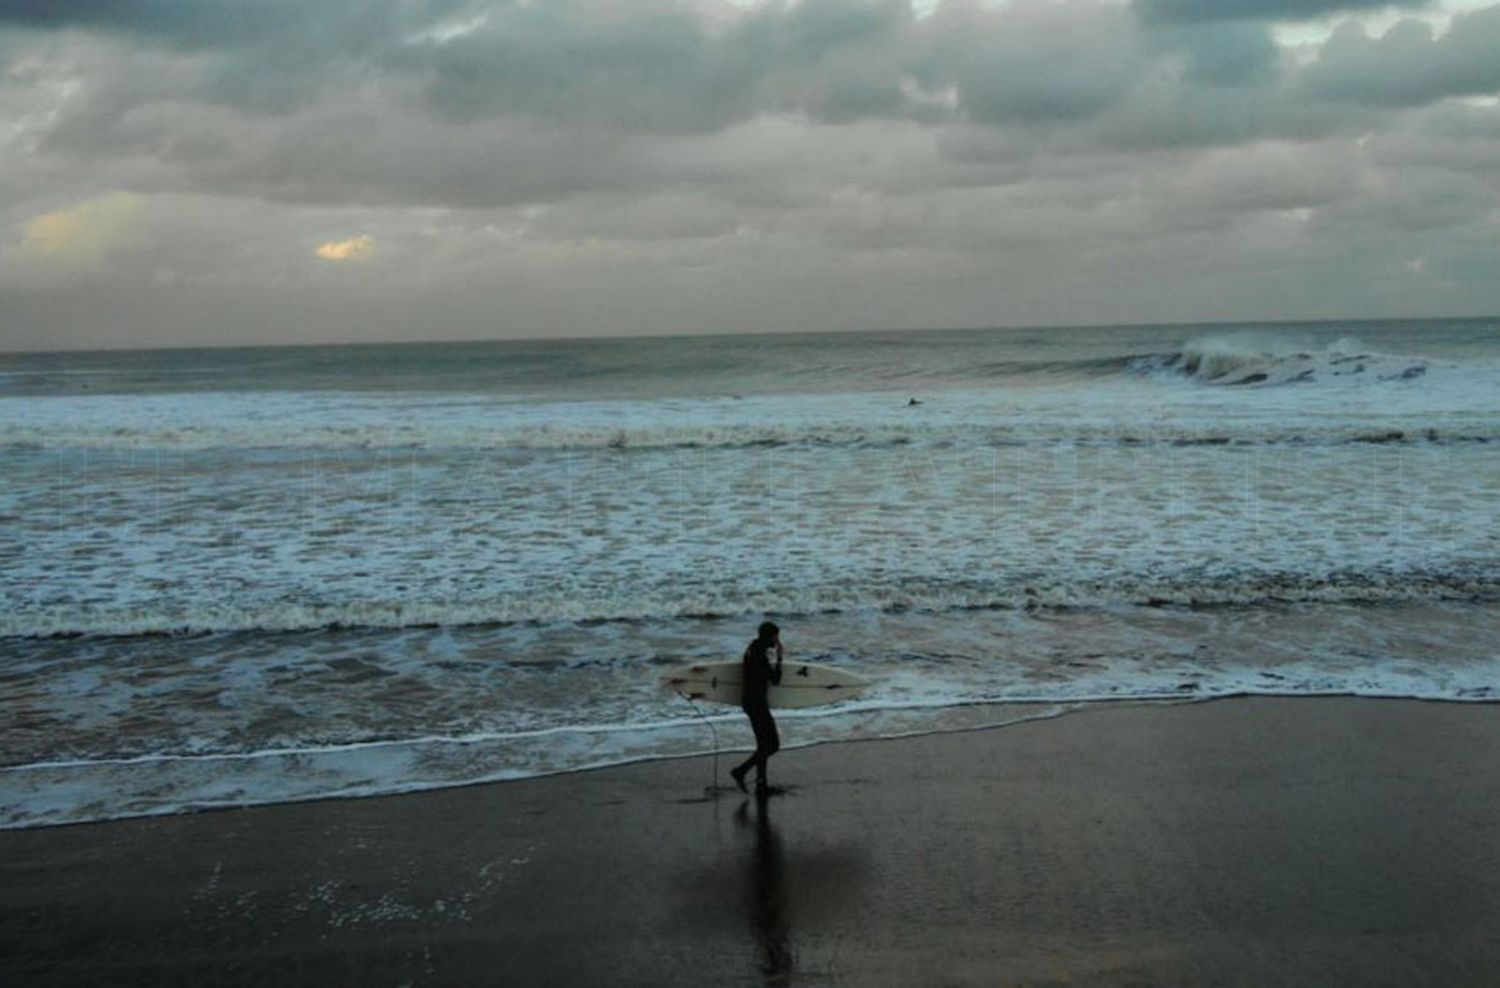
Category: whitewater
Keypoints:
(245, 576)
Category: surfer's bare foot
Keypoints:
(738, 774)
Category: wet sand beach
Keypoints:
(1242, 841)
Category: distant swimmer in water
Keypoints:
(759, 677)
(912, 401)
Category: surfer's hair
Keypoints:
(768, 630)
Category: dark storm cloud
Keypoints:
(203, 24)
(664, 67)
(464, 104)
(1033, 63)
(658, 66)
(1234, 54)
(191, 25)
(652, 64)
(654, 68)
(1261, 10)
(501, 104)
(265, 55)
(1408, 66)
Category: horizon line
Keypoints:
(709, 334)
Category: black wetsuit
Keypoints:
(760, 675)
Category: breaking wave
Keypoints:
(1239, 361)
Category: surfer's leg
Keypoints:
(773, 745)
(739, 772)
(766, 741)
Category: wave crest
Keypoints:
(1240, 360)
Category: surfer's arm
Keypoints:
(776, 669)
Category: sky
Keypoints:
(215, 172)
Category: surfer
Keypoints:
(759, 677)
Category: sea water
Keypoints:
(252, 575)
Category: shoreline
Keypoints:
(1243, 840)
(1052, 709)
(981, 715)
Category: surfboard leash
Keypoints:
(714, 732)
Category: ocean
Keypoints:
(239, 576)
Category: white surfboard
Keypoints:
(803, 684)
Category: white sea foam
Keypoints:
(285, 511)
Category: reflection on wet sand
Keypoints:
(793, 883)
(767, 893)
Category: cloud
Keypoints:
(199, 25)
(1261, 10)
(666, 67)
(353, 249)
(187, 24)
(540, 100)
(84, 233)
(1034, 61)
(268, 56)
(654, 66)
(1237, 53)
(1409, 65)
